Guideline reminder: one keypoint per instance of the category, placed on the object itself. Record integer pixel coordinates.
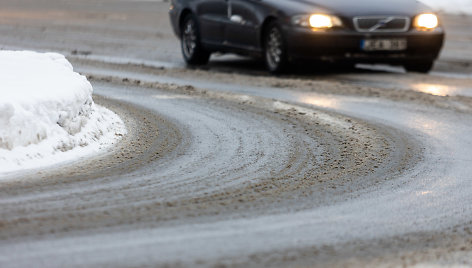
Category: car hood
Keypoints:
(367, 7)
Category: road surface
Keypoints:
(228, 166)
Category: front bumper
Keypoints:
(344, 45)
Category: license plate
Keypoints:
(384, 44)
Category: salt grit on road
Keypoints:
(47, 114)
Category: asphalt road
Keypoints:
(228, 166)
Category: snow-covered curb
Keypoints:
(47, 114)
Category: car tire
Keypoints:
(192, 50)
(423, 66)
(275, 49)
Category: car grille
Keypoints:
(382, 24)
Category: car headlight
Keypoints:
(317, 21)
(426, 22)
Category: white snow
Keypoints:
(454, 6)
(47, 114)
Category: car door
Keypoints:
(212, 16)
(241, 30)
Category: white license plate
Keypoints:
(384, 44)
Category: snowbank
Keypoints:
(47, 114)
(453, 6)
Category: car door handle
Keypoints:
(236, 19)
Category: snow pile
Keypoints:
(47, 114)
(454, 6)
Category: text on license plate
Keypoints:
(384, 44)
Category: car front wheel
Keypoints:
(192, 50)
(275, 54)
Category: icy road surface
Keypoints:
(372, 170)
(228, 166)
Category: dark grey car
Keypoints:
(402, 32)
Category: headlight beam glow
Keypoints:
(426, 22)
(317, 21)
(321, 21)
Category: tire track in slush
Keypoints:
(216, 157)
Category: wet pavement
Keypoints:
(360, 167)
